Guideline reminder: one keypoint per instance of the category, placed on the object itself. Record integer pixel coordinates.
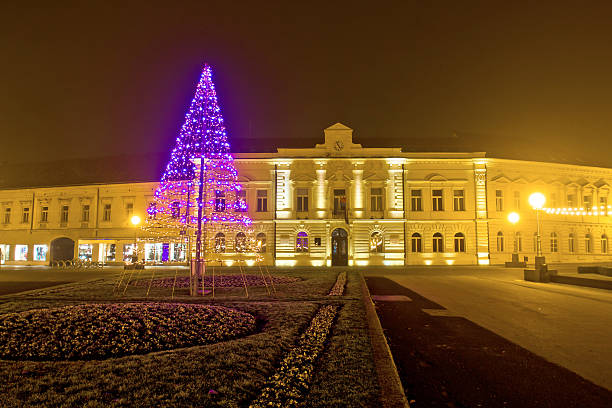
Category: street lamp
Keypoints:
(537, 201)
(513, 218)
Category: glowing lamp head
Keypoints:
(135, 220)
(513, 217)
(537, 200)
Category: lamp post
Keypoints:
(537, 201)
(135, 220)
(513, 218)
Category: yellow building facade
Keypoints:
(339, 203)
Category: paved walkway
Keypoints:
(472, 336)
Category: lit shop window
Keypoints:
(261, 242)
(154, 252)
(40, 252)
(178, 252)
(4, 253)
(301, 242)
(109, 251)
(21, 252)
(376, 242)
(85, 251)
(129, 251)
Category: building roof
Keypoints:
(149, 167)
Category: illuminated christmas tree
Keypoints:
(199, 197)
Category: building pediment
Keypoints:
(501, 179)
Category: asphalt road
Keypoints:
(567, 325)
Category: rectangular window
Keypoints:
(416, 200)
(459, 200)
(85, 213)
(302, 200)
(262, 200)
(241, 201)
(603, 205)
(588, 202)
(219, 201)
(40, 252)
(571, 200)
(106, 214)
(517, 200)
(64, 214)
(21, 252)
(376, 199)
(437, 204)
(129, 210)
(339, 202)
(44, 214)
(7, 215)
(25, 216)
(499, 200)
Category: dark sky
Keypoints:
(92, 80)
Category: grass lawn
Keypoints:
(236, 370)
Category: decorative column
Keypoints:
(395, 189)
(321, 190)
(358, 190)
(482, 227)
(283, 190)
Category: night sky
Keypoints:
(109, 79)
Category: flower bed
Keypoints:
(338, 288)
(221, 281)
(96, 331)
(287, 387)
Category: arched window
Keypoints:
(604, 244)
(261, 242)
(301, 242)
(500, 241)
(240, 244)
(554, 242)
(588, 244)
(438, 242)
(518, 242)
(571, 243)
(459, 242)
(376, 242)
(417, 242)
(220, 242)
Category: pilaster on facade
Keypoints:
(357, 187)
(481, 219)
(284, 194)
(321, 199)
(395, 189)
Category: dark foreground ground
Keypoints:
(446, 361)
(16, 287)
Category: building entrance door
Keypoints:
(339, 247)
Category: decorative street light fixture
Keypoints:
(537, 201)
(514, 218)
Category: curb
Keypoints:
(391, 390)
